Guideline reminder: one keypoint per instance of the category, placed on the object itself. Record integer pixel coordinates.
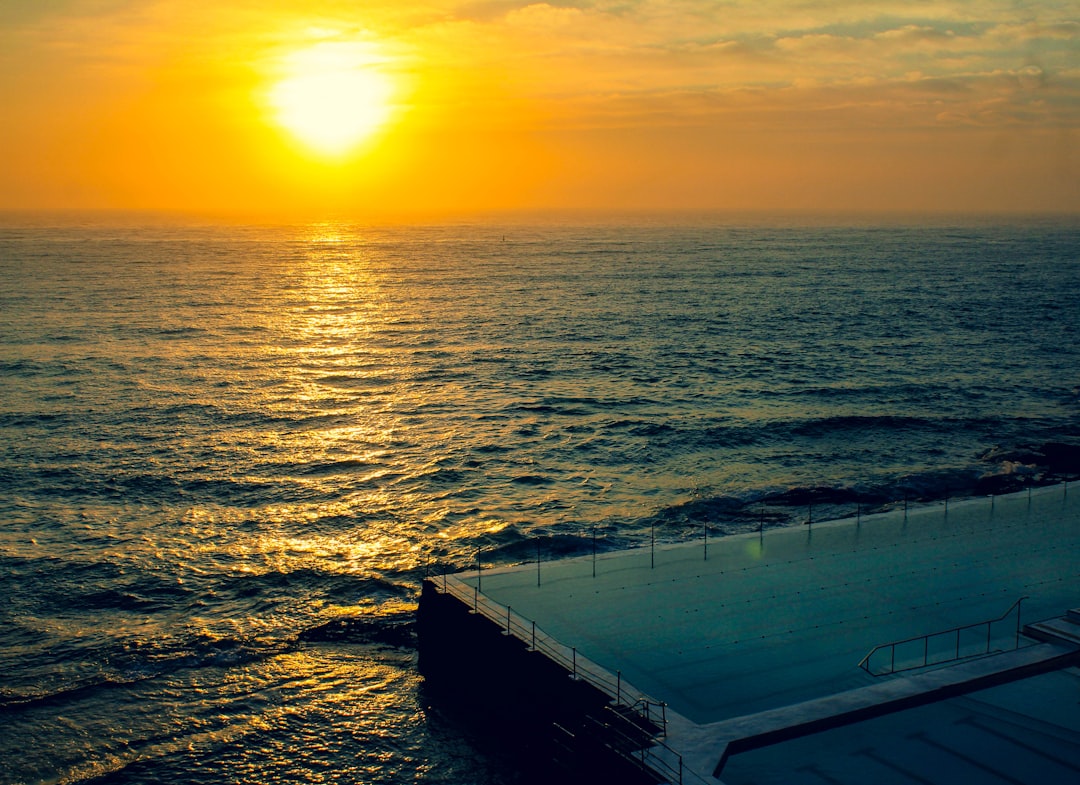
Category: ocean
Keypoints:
(230, 454)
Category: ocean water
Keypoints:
(229, 455)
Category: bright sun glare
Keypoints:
(333, 96)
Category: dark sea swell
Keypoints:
(229, 455)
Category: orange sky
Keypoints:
(494, 104)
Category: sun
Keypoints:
(333, 96)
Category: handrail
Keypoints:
(578, 666)
(656, 756)
(864, 663)
(642, 755)
(656, 539)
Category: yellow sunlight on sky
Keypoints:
(385, 109)
(332, 97)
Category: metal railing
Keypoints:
(938, 648)
(657, 540)
(576, 665)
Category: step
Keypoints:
(1053, 630)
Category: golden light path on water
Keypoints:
(324, 346)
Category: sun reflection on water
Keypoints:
(337, 365)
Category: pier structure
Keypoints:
(927, 644)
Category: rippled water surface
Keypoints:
(228, 455)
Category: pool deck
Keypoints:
(746, 640)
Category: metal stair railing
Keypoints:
(629, 742)
(956, 651)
